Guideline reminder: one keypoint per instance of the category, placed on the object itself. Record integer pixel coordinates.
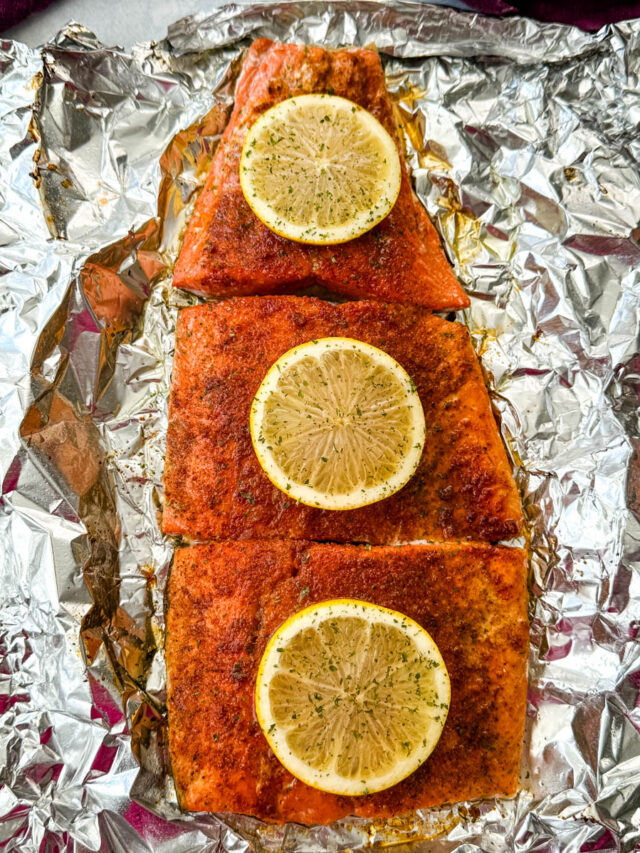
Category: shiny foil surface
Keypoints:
(523, 141)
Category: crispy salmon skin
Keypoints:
(224, 602)
(214, 485)
(227, 250)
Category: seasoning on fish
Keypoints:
(214, 485)
(228, 251)
(226, 600)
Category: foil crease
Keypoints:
(523, 143)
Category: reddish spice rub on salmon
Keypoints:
(214, 485)
(227, 250)
(224, 602)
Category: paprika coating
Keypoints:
(228, 251)
(224, 602)
(214, 485)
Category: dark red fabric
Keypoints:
(587, 14)
(13, 11)
(491, 7)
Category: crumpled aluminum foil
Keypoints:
(524, 147)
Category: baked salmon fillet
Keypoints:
(227, 250)
(224, 602)
(214, 485)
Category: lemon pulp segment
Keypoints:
(319, 169)
(337, 424)
(352, 697)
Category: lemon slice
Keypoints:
(337, 424)
(352, 697)
(319, 169)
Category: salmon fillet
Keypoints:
(224, 602)
(214, 485)
(227, 250)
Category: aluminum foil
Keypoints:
(524, 147)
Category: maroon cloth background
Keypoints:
(588, 14)
(12, 11)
